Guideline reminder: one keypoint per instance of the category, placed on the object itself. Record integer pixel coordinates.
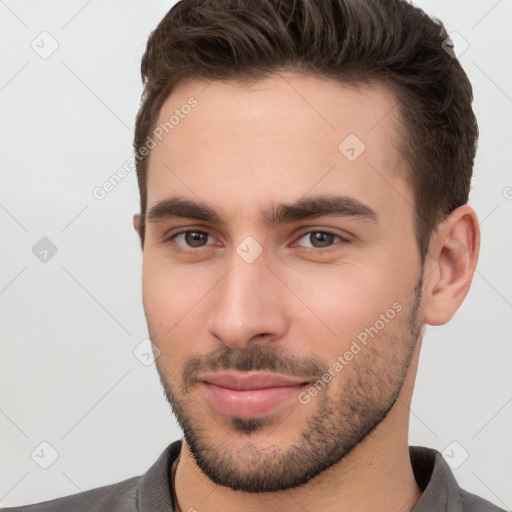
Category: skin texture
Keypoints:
(300, 304)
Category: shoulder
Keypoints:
(118, 497)
(150, 491)
(440, 488)
(473, 503)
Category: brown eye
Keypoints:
(195, 238)
(319, 239)
(191, 238)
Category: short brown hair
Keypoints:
(351, 41)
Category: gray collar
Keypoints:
(441, 492)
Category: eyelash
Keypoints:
(317, 250)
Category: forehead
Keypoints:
(277, 140)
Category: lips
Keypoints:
(249, 381)
(249, 395)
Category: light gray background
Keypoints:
(70, 325)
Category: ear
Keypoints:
(137, 224)
(450, 265)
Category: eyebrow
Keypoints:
(319, 206)
(176, 207)
(303, 209)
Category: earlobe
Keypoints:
(451, 265)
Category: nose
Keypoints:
(248, 304)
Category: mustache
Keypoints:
(254, 358)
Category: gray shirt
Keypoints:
(152, 492)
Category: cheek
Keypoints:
(167, 290)
(175, 310)
(343, 302)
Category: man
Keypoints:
(304, 170)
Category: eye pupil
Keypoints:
(195, 238)
(319, 239)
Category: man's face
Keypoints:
(245, 285)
